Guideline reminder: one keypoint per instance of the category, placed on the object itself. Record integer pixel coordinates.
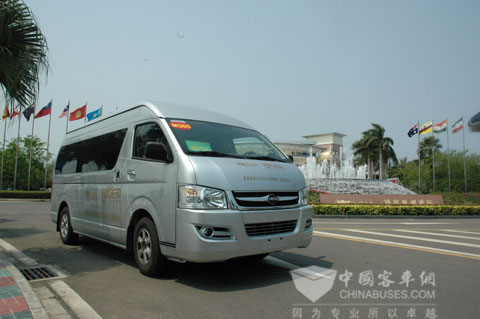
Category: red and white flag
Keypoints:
(458, 125)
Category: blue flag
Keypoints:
(95, 114)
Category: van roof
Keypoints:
(174, 111)
(171, 110)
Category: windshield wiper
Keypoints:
(266, 158)
(215, 154)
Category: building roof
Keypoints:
(326, 134)
(303, 143)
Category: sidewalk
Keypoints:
(17, 299)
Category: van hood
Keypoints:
(232, 174)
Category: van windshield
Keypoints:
(219, 140)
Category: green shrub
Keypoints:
(392, 210)
(453, 198)
(25, 194)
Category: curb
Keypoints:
(34, 304)
(24, 200)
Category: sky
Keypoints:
(288, 68)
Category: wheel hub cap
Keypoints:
(144, 246)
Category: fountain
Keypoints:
(339, 166)
(339, 176)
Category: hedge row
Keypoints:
(25, 194)
(392, 210)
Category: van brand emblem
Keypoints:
(273, 199)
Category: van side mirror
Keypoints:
(157, 151)
(290, 157)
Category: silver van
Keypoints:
(171, 182)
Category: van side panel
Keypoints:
(151, 185)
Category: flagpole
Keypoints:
(68, 116)
(3, 152)
(464, 163)
(418, 124)
(448, 157)
(433, 156)
(16, 153)
(48, 141)
(31, 144)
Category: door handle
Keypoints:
(131, 172)
(117, 175)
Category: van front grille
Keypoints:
(266, 199)
(271, 228)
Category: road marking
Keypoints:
(279, 263)
(462, 231)
(414, 238)
(402, 223)
(369, 228)
(426, 223)
(435, 234)
(399, 245)
(81, 308)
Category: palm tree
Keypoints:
(23, 53)
(428, 145)
(388, 155)
(363, 153)
(398, 169)
(384, 144)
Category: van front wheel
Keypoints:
(66, 232)
(146, 249)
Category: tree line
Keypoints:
(37, 174)
(431, 154)
(375, 150)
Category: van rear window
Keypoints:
(95, 154)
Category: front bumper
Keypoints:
(192, 246)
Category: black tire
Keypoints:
(146, 248)
(65, 226)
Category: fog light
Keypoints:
(308, 224)
(207, 232)
(215, 232)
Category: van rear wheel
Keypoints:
(66, 232)
(146, 248)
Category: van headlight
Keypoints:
(199, 197)
(303, 196)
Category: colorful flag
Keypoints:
(78, 113)
(95, 114)
(65, 110)
(440, 127)
(458, 125)
(6, 113)
(28, 112)
(46, 110)
(15, 113)
(426, 128)
(413, 130)
(12, 115)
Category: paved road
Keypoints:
(441, 254)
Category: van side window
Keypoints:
(95, 154)
(145, 133)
